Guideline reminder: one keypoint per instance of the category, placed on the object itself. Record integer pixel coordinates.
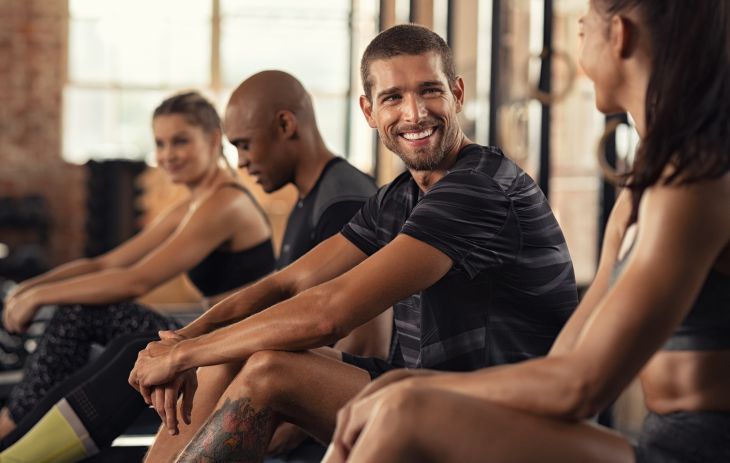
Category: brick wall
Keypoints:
(32, 72)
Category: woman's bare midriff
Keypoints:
(687, 381)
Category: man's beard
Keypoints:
(422, 160)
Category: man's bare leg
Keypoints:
(420, 425)
(304, 388)
(212, 382)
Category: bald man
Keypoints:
(330, 192)
(270, 120)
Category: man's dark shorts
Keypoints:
(374, 366)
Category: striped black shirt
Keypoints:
(511, 287)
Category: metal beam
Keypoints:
(544, 86)
(607, 191)
(494, 72)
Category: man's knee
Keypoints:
(265, 375)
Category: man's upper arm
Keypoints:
(465, 216)
(403, 267)
(326, 261)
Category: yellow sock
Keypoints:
(59, 437)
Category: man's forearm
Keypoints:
(237, 307)
(298, 323)
(371, 339)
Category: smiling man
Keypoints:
(463, 245)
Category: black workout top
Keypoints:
(221, 270)
(336, 196)
(707, 325)
(511, 287)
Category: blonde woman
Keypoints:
(219, 236)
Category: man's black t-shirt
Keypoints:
(511, 287)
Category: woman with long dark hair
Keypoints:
(659, 306)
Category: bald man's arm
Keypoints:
(314, 317)
(327, 260)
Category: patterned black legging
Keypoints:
(66, 344)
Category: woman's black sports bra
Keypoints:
(222, 271)
(707, 325)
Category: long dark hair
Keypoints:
(688, 96)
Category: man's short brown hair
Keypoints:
(405, 39)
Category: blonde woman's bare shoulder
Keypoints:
(234, 209)
(170, 215)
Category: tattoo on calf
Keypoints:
(235, 432)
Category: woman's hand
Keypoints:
(16, 291)
(354, 416)
(357, 415)
(19, 311)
